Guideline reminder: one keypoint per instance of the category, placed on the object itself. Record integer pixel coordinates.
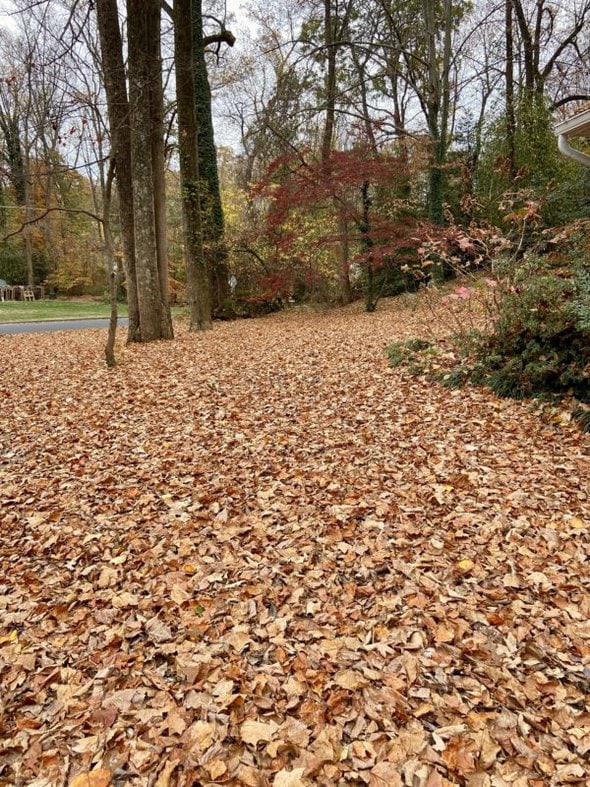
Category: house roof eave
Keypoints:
(575, 126)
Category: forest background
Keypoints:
(367, 147)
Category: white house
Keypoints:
(576, 126)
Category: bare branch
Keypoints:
(46, 213)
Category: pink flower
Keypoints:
(491, 282)
(464, 293)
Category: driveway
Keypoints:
(58, 325)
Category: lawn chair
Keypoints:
(28, 294)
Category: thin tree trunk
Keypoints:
(510, 108)
(29, 214)
(344, 253)
(110, 264)
(118, 112)
(197, 275)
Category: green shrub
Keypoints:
(541, 341)
(13, 266)
(408, 352)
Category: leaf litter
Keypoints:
(260, 556)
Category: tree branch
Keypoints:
(223, 37)
(569, 99)
(46, 213)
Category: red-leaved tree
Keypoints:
(379, 227)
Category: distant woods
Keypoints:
(359, 132)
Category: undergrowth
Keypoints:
(539, 342)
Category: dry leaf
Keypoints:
(351, 679)
(253, 732)
(163, 779)
(216, 768)
(97, 778)
(292, 778)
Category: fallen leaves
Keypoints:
(96, 778)
(253, 732)
(259, 556)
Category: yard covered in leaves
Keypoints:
(262, 557)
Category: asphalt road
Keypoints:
(57, 325)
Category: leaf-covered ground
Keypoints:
(262, 557)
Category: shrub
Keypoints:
(410, 353)
(13, 266)
(541, 340)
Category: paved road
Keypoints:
(57, 325)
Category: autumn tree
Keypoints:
(213, 225)
(137, 134)
(113, 68)
(356, 184)
(197, 274)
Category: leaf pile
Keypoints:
(262, 557)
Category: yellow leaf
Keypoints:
(575, 522)
(216, 768)
(12, 637)
(165, 774)
(98, 778)
(466, 565)
(189, 568)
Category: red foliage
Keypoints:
(294, 184)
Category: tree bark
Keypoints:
(111, 267)
(510, 107)
(197, 274)
(118, 112)
(213, 225)
(330, 81)
(154, 315)
(156, 103)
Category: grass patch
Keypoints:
(25, 311)
(39, 311)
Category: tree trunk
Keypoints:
(213, 225)
(156, 102)
(110, 264)
(197, 275)
(510, 108)
(344, 254)
(118, 112)
(154, 315)
(330, 82)
(29, 215)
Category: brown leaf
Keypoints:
(97, 778)
(351, 679)
(216, 768)
(292, 778)
(253, 732)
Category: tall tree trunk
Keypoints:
(197, 275)
(330, 81)
(213, 225)
(433, 96)
(330, 43)
(510, 108)
(156, 102)
(154, 315)
(437, 105)
(118, 112)
(29, 215)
